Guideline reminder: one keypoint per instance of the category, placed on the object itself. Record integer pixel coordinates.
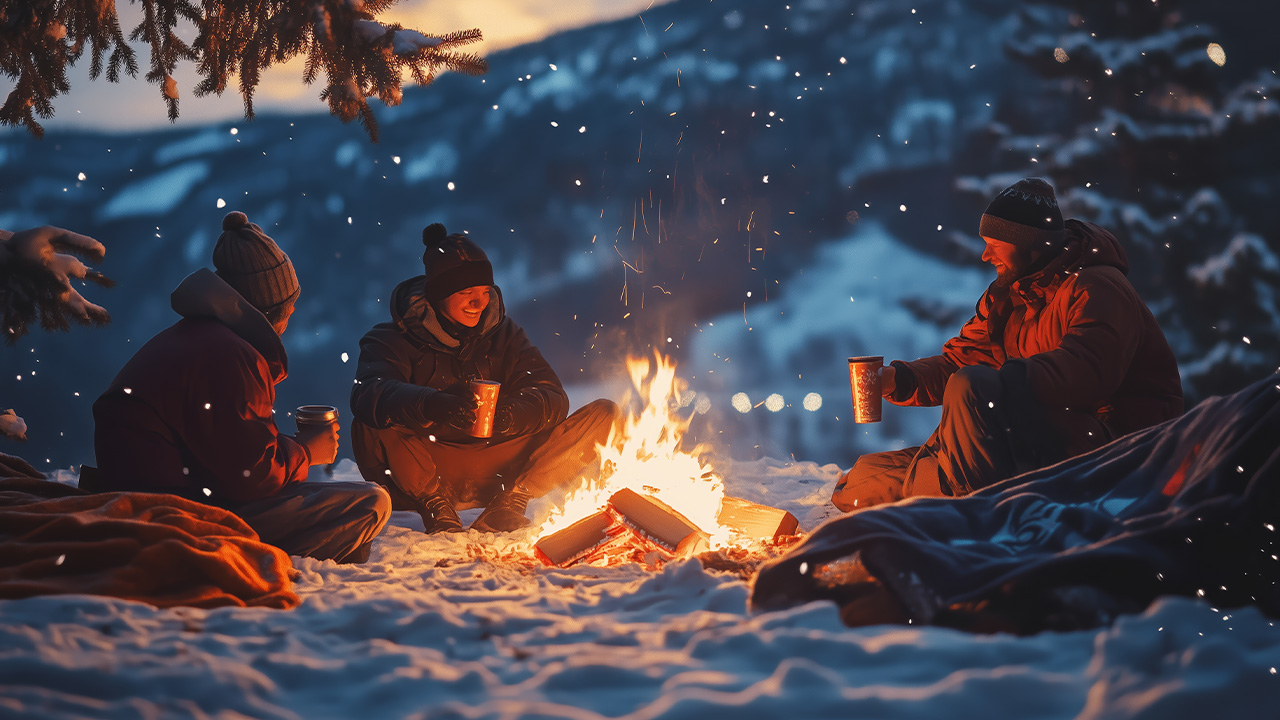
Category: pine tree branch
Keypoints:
(360, 57)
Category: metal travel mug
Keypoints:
(486, 394)
(311, 415)
(864, 381)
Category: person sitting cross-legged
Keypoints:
(413, 409)
(190, 413)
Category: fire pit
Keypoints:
(654, 500)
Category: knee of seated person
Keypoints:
(605, 408)
(968, 384)
(377, 500)
(603, 412)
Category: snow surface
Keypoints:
(465, 626)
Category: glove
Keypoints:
(504, 418)
(12, 426)
(42, 268)
(444, 408)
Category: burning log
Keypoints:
(657, 524)
(634, 524)
(756, 521)
(596, 533)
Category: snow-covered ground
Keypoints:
(467, 626)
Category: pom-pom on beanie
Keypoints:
(1026, 214)
(251, 263)
(452, 263)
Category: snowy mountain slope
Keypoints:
(863, 295)
(714, 146)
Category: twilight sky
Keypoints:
(135, 104)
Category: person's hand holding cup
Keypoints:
(888, 382)
(318, 432)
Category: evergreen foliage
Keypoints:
(358, 56)
(1145, 138)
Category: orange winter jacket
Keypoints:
(1091, 347)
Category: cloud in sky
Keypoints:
(135, 104)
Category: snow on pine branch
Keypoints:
(403, 42)
(1081, 54)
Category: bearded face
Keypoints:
(1010, 261)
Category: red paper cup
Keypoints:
(486, 394)
(864, 381)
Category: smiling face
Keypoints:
(1008, 259)
(466, 306)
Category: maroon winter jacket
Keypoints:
(190, 414)
(1092, 349)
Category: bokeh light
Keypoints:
(1217, 54)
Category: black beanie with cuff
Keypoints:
(452, 263)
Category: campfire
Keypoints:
(654, 499)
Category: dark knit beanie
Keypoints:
(452, 263)
(252, 264)
(1025, 214)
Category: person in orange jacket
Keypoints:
(1061, 357)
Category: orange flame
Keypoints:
(645, 455)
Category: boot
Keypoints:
(438, 515)
(505, 513)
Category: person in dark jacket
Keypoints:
(190, 414)
(1061, 357)
(413, 408)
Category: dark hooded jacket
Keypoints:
(190, 414)
(403, 362)
(1086, 341)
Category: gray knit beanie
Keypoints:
(251, 263)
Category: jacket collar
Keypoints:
(417, 318)
(1087, 245)
(203, 294)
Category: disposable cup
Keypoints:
(486, 394)
(864, 381)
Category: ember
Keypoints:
(653, 499)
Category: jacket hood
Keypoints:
(415, 316)
(203, 294)
(1093, 246)
(1087, 245)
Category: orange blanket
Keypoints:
(159, 549)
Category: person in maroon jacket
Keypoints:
(190, 414)
(1061, 357)
(413, 409)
